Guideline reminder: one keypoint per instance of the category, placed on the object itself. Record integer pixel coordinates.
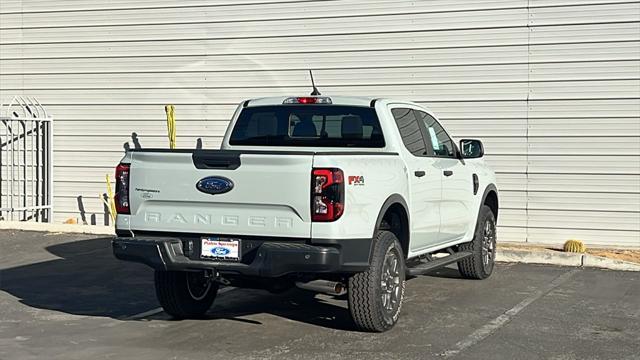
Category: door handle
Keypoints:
(419, 173)
(448, 173)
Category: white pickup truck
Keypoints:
(332, 194)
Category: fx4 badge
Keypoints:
(356, 180)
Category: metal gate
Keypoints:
(26, 182)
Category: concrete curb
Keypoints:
(606, 263)
(539, 257)
(563, 259)
(68, 228)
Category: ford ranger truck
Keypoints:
(331, 194)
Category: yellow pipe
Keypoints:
(112, 204)
(106, 203)
(171, 125)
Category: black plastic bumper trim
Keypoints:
(271, 258)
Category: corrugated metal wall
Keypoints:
(551, 86)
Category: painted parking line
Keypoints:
(158, 310)
(495, 324)
(143, 314)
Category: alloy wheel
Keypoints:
(488, 245)
(391, 282)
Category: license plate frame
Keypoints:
(220, 249)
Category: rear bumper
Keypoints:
(262, 258)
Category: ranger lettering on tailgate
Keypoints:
(228, 220)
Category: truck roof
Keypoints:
(335, 100)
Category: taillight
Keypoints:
(121, 197)
(327, 194)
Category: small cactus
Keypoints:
(575, 246)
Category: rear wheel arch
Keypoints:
(394, 217)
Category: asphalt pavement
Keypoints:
(64, 296)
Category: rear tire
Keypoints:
(375, 296)
(483, 247)
(185, 294)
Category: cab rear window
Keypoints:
(308, 125)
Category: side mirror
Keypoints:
(471, 148)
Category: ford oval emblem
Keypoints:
(214, 185)
(220, 251)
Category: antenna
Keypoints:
(315, 91)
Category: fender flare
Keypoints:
(393, 199)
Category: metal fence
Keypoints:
(26, 168)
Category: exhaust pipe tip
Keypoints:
(323, 286)
(338, 288)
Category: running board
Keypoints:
(424, 267)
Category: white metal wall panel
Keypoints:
(331, 77)
(552, 87)
(583, 166)
(252, 6)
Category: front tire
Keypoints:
(185, 294)
(375, 296)
(483, 248)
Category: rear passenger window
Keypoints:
(410, 131)
(262, 124)
(440, 142)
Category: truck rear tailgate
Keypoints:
(270, 194)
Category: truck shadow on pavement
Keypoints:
(294, 304)
(87, 280)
